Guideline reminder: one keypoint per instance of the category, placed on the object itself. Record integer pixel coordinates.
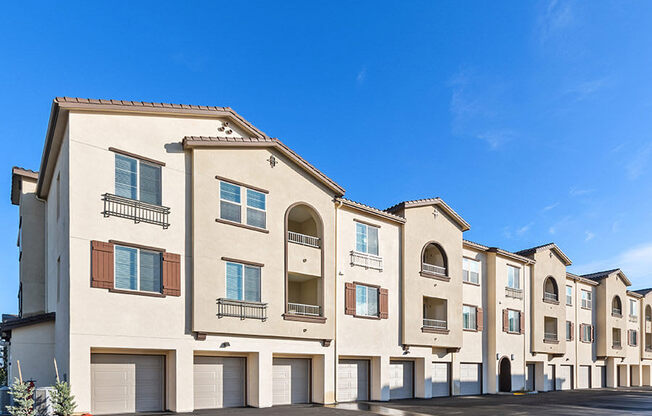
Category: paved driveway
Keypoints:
(576, 402)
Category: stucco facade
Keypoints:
(263, 266)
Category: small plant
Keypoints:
(23, 398)
(63, 403)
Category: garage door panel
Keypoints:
(440, 379)
(290, 381)
(352, 380)
(565, 377)
(584, 377)
(401, 381)
(470, 378)
(219, 382)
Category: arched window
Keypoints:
(616, 306)
(433, 260)
(550, 291)
(648, 313)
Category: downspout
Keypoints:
(335, 361)
(576, 340)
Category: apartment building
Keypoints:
(175, 257)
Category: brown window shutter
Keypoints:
(505, 320)
(522, 323)
(349, 298)
(171, 274)
(582, 333)
(479, 317)
(572, 331)
(101, 264)
(383, 303)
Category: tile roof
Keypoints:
(371, 210)
(599, 275)
(16, 174)
(530, 251)
(200, 141)
(498, 250)
(431, 201)
(643, 291)
(581, 279)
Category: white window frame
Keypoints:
(517, 321)
(632, 308)
(517, 271)
(365, 311)
(473, 319)
(138, 164)
(366, 249)
(138, 251)
(587, 301)
(468, 261)
(586, 332)
(569, 296)
(243, 204)
(633, 338)
(242, 281)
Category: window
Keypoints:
(633, 337)
(513, 277)
(632, 308)
(586, 299)
(469, 320)
(569, 296)
(471, 270)
(569, 331)
(366, 239)
(137, 269)
(231, 205)
(242, 282)
(616, 306)
(136, 179)
(366, 300)
(615, 337)
(585, 332)
(514, 319)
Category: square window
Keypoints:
(242, 282)
(469, 317)
(366, 300)
(470, 270)
(366, 239)
(137, 269)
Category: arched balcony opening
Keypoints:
(616, 307)
(434, 260)
(648, 313)
(304, 226)
(550, 290)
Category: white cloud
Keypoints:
(640, 162)
(557, 17)
(524, 229)
(549, 207)
(362, 75)
(585, 89)
(497, 138)
(635, 262)
(580, 192)
(552, 229)
(588, 235)
(615, 227)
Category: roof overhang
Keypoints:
(193, 142)
(370, 210)
(550, 246)
(438, 202)
(577, 278)
(8, 325)
(62, 106)
(624, 278)
(18, 175)
(498, 251)
(634, 294)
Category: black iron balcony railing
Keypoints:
(138, 211)
(241, 309)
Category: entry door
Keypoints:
(352, 380)
(584, 377)
(470, 378)
(602, 375)
(401, 379)
(566, 377)
(441, 385)
(290, 381)
(126, 383)
(529, 382)
(219, 382)
(551, 385)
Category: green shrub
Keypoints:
(63, 403)
(23, 397)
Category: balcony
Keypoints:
(368, 261)
(433, 269)
(435, 324)
(550, 297)
(305, 310)
(512, 292)
(241, 309)
(435, 315)
(550, 337)
(434, 262)
(616, 313)
(616, 344)
(138, 211)
(303, 239)
(633, 318)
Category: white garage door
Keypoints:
(219, 382)
(126, 383)
(401, 379)
(565, 377)
(470, 378)
(440, 380)
(290, 381)
(551, 378)
(352, 380)
(602, 375)
(529, 381)
(584, 377)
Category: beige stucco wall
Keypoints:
(547, 264)
(605, 292)
(422, 227)
(33, 346)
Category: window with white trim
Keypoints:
(242, 282)
(137, 269)
(569, 295)
(633, 308)
(366, 239)
(513, 277)
(137, 179)
(470, 270)
(366, 300)
(586, 299)
(633, 337)
(514, 321)
(585, 335)
(231, 205)
(469, 314)
(569, 330)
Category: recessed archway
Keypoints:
(505, 375)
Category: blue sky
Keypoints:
(531, 119)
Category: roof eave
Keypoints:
(370, 210)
